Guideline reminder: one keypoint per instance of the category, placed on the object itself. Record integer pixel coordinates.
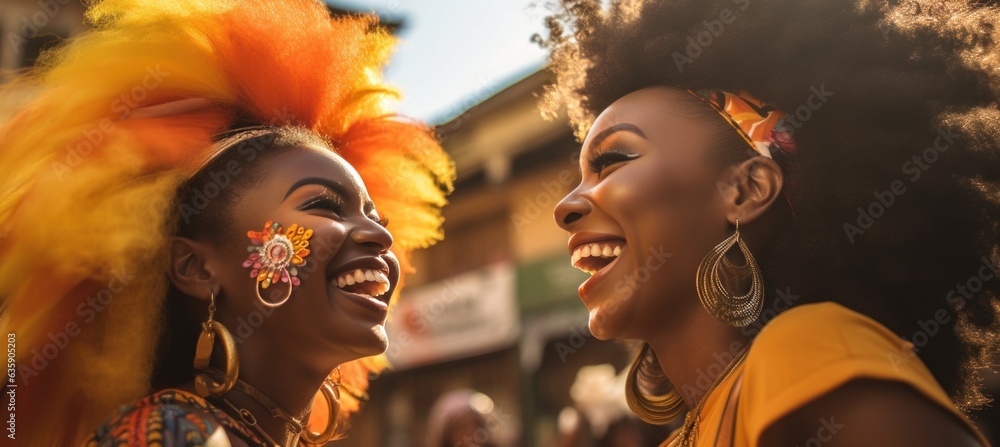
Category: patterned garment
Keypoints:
(170, 418)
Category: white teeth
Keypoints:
(360, 276)
(611, 249)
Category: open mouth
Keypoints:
(595, 256)
(368, 282)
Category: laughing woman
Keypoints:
(194, 208)
(794, 205)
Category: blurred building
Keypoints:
(29, 26)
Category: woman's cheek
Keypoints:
(321, 252)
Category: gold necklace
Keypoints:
(249, 420)
(293, 424)
(689, 431)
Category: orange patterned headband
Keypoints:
(761, 125)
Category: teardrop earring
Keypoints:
(716, 271)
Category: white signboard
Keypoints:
(462, 316)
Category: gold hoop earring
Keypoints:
(331, 393)
(716, 273)
(204, 382)
(660, 409)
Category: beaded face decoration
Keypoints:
(276, 256)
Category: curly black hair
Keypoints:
(897, 181)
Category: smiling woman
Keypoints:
(223, 245)
(738, 142)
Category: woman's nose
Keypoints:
(372, 234)
(571, 208)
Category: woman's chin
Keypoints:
(601, 326)
(372, 341)
(378, 341)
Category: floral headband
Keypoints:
(761, 125)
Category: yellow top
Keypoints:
(807, 352)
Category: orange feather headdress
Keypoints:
(89, 176)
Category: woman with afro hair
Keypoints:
(206, 210)
(794, 205)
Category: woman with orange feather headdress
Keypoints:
(194, 205)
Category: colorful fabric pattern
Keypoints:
(761, 125)
(169, 418)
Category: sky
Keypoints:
(454, 54)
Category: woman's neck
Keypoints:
(280, 375)
(694, 353)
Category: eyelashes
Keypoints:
(598, 161)
(325, 202)
(336, 205)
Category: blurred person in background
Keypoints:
(463, 418)
(600, 415)
(794, 205)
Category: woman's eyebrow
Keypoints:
(329, 184)
(622, 127)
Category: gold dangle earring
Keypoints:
(717, 275)
(331, 393)
(209, 381)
